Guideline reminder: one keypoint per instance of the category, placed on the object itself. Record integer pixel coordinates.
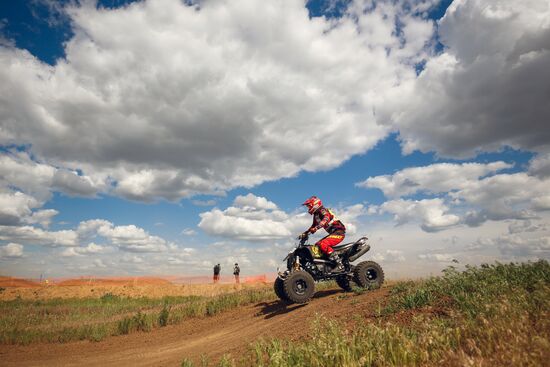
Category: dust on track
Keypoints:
(229, 332)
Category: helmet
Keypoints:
(313, 203)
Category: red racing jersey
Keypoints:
(324, 218)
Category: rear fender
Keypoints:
(362, 249)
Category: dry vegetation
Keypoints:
(494, 315)
(24, 321)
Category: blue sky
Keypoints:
(162, 137)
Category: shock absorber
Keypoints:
(297, 263)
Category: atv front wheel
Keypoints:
(279, 289)
(344, 283)
(299, 286)
(368, 274)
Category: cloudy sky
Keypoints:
(164, 136)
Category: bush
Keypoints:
(163, 316)
(499, 315)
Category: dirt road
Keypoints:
(230, 332)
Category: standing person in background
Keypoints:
(236, 272)
(217, 269)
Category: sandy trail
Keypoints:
(230, 332)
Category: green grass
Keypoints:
(63, 320)
(493, 315)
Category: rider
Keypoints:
(324, 218)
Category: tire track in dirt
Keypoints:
(230, 332)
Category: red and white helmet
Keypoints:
(313, 203)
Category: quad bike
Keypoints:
(306, 265)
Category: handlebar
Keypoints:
(303, 238)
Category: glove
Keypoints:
(313, 230)
(303, 235)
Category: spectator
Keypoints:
(236, 272)
(217, 270)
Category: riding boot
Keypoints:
(336, 259)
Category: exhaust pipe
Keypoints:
(360, 253)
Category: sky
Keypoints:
(161, 137)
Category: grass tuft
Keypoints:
(492, 315)
(64, 320)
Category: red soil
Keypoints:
(114, 281)
(228, 332)
(17, 282)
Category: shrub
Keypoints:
(164, 315)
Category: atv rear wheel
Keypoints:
(278, 287)
(368, 274)
(344, 283)
(299, 286)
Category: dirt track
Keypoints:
(229, 332)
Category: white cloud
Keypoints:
(90, 249)
(217, 222)
(518, 245)
(128, 238)
(11, 250)
(526, 226)
(251, 218)
(389, 256)
(42, 217)
(431, 213)
(437, 257)
(189, 232)
(504, 196)
(253, 201)
(99, 263)
(38, 179)
(248, 220)
(468, 196)
(488, 88)
(435, 178)
(36, 236)
(14, 206)
(540, 165)
(133, 259)
(204, 202)
(173, 107)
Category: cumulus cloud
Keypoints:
(11, 250)
(211, 202)
(37, 236)
(253, 201)
(14, 206)
(540, 165)
(504, 196)
(171, 107)
(488, 88)
(99, 263)
(18, 170)
(389, 256)
(527, 226)
(90, 249)
(435, 178)
(189, 232)
(430, 213)
(128, 238)
(256, 218)
(471, 194)
(42, 217)
(520, 246)
(437, 257)
(230, 224)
